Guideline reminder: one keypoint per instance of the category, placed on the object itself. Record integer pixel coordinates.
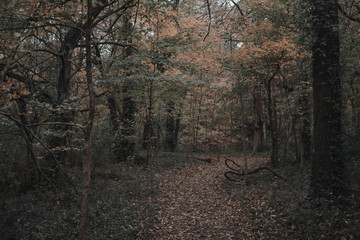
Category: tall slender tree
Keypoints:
(86, 174)
(170, 127)
(258, 121)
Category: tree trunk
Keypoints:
(327, 162)
(123, 122)
(128, 104)
(273, 121)
(86, 161)
(274, 135)
(170, 127)
(258, 123)
(29, 142)
(355, 103)
(127, 144)
(177, 127)
(115, 123)
(113, 109)
(148, 132)
(243, 136)
(305, 134)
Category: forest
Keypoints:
(180, 119)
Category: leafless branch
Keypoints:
(209, 26)
(238, 7)
(126, 5)
(238, 171)
(228, 173)
(348, 15)
(42, 144)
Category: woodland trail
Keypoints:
(194, 204)
(196, 201)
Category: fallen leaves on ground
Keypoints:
(182, 198)
(197, 202)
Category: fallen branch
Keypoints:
(207, 160)
(233, 162)
(238, 172)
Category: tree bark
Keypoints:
(115, 123)
(177, 127)
(148, 132)
(258, 123)
(170, 127)
(243, 136)
(327, 162)
(274, 134)
(305, 129)
(273, 121)
(127, 144)
(86, 173)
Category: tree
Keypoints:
(86, 174)
(170, 141)
(48, 63)
(327, 160)
(272, 111)
(126, 144)
(258, 119)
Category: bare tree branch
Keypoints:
(254, 171)
(42, 144)
(209, 26)
(347, 15)
(238, 7)
(237, 171)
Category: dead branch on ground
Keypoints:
(237, 171)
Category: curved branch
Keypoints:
(238, 7)
(237, 171)
(254, 171)
(233, 162)
(347, 15)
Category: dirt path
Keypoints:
(194, 205)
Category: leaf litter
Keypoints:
(182, 198)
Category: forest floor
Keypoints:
(181, 197)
